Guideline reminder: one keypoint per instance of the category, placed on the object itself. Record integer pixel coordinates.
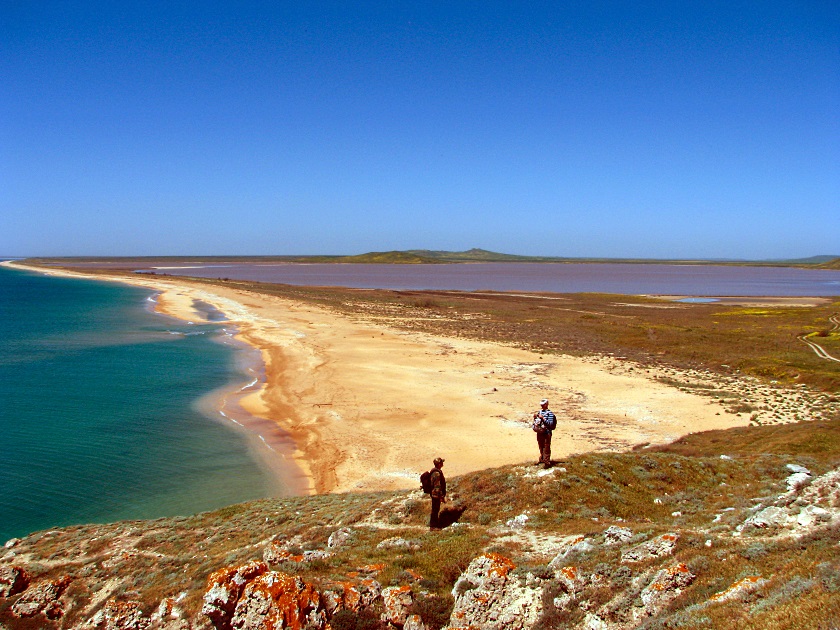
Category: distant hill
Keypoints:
(830, 264)
(476, 255)
(811, 260)
(389, 258)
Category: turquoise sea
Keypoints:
(100, 413)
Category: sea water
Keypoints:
(99, 409)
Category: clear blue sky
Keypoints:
(619, 129)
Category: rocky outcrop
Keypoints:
(397, 601)
(42, 598)
(488, 596)
(119, 616)
(276, 552)
(414, 622)
(278, 600)
(399, 543)
(666, 585)
(13, 580)
(614, 535)
(574, 545)
(809, 503)
(339, 537)
(658, 547)
(251, 597)
(225, 587)
(738, 590)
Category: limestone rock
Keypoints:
(824, 490)
(339, 537)
(43, 598)
(351, 595)
(278, 600)
(397, 600)
(168, 609)
(224, 588)
(517, 522)
(797, 480)
(738, 590)
(656, 548)
(594, 622)
(571, 579)
(572, 545)
(772, 516)
(119, 616)
(413, 622)
(275, 553)
(810, 515)
(13, 580)
(666, 585)
(399, 543)
(615, 535)
(332, 601)
(489, 597)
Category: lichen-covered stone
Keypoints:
(277, 600)
(665, 586)
(489, 597)
(351, 595)
(571, 578)
(42, 597)
(396, 600)
(572, 545)
(738, 590)
(224, 587)
(414, 622)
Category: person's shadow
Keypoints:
(450, 515)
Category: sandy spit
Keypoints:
(368, 407)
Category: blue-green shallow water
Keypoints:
(98, 416)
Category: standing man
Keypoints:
(438, 493)
(544, 423)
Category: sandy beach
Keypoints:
(368, 407)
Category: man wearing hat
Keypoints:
(544, 423)
(438, 493)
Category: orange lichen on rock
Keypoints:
(414, 574)
(739, 588)
(570, 573)
(276, 600)
(501, 565)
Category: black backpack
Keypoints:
(426, 481)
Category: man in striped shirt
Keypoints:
(544, 423)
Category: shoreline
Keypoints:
(271, 448)
(368, 407)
